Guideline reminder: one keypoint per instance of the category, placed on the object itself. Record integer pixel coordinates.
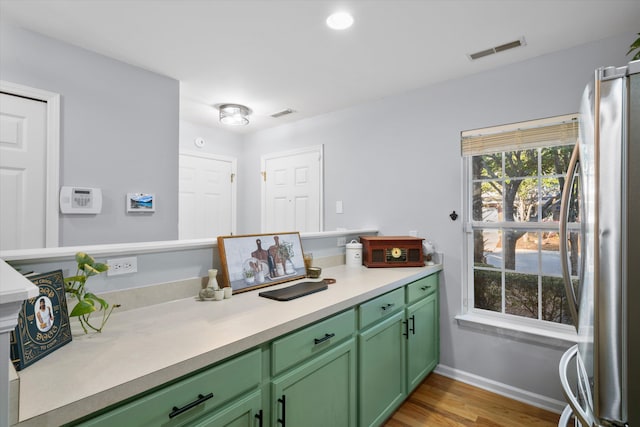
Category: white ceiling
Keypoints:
(271, 54)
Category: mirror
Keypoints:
(120, 131)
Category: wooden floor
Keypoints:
(441, 401)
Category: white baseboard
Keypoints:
(506, 390)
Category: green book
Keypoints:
(43, 322)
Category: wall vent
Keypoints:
(282, 113)
(496, 49)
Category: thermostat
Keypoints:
(80, 200)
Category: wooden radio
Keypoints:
(392, 251)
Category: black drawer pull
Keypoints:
(413, 325)
(424, 288)
(323, 339)
(283, 420)
(259, 417)
(177, 411)
(405, 334)
(389, 305)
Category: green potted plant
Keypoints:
(635, 46)
(87, 302)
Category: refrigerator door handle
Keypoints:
(582, 416)
(565, 416)
(572, 299)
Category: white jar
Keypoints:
(354, 254)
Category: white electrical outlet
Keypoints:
(413, 233)
(342, 241)
(122, 266)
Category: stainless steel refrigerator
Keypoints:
(605, 304)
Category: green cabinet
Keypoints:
(381, 370)
(318, 393)
(353, 368)
(422, 341)
(243, 413)
(184, 402)
(314, 374)
(423, 329)
(398, 345)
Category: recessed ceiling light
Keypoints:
(340, 21)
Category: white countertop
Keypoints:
(14, 287)
(143, 348)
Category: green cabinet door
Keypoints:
(190, 399)
(423, 340)
(381, 355)
(319, 393)
(243, 413)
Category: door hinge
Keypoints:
(233, 175)
(264, 175)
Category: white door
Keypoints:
(206, 196)
(292, 191)
(23, 167)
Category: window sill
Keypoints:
(517, 332)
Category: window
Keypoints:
(515, 178)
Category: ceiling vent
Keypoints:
(281, 113)
(501, 48)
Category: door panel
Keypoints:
(292, 191)
(23, 169)
(382, 370)
(319, 393)
(206, 196)
(423, 343)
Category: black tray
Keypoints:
(295, 291)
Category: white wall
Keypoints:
(217, 141)
(396, 164)
(119, 132)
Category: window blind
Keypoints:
(559, 130)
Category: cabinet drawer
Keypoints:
(381, 307)
(422, 287)
(298, 346)
(225, 382)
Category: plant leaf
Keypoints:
(93, 297)
(90, 270)
(71, 290)
(82, 258)
(101, 267)
(635, 45)
(84, 306)
(73, 279)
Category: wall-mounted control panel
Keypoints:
(80, 200)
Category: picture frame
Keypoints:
(141, 202)
(254, 261)
(43, 321)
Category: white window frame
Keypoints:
(513, 326)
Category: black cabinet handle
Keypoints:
(323, 339)
(413, 324)
(384, 307)
(406, 329)
(283, 420)
(424, 288)
(259, 417)
(201, 398)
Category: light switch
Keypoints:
(339, 207)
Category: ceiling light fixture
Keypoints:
(234, 114)
(340, 21)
